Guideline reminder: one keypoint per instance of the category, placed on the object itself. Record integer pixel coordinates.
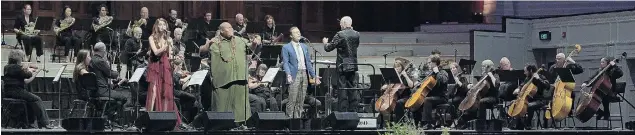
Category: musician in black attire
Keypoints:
(437, 95)
(240, 28)
(536, 101)
(173, 21)
(400, 65)
(457, 91)
(269, 33)
(260, 95)
(15, 78)
(28, 41)
(101, 24)
(613, 72)
(146, 27)
(489, 98)
(101, 67)
(561, 60)
(66, 36)
(133, 51)
(188, 101)
(346, 42)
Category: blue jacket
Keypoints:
(290, 60)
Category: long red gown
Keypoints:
(161, 99)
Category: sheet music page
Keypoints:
(270, 75)
(198, 77)
(59, 73)
(137, 75)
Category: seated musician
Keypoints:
(102, 69)
(64, 29)
(564, 62)
(506, 87)
(15, 78)
(134, 51)
(537, 101)
(401, 65)
(613, 72)
(100, 33)
(29, 38)
(437, 94)
(269, 32)
(187, 100)
(260, 95)
(81, 67)
(457, 91)
(490, 98)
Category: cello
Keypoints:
(387, 102)
(561, 103)
(518, 108)
(590, 101)
(417, 99)
(474, 94)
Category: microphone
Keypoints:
(302, 38)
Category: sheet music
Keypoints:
(59, 73)
(137, 75)
(270, 75)
(197, 78)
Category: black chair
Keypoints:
(15, 110)
(88, 83)
(619, 90)
(58, 43)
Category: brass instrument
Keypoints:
(64, 24)
(102, 22)
(136, 23)
(29, 29)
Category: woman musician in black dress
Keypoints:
(24, 27)
(15, 77)
(101, 26)
(64, 28)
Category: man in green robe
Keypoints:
(228, 69)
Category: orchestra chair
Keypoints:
(620, 88)
(56, 47)
(443, 114)
(89, 84)
(15, 110)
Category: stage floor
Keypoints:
(344, 132)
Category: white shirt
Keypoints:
(299, 52)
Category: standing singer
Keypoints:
(297, 63)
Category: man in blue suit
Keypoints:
(297, 63)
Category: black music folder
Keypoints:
(565, 74)
(467, 65)
(511, 75)
(44, 23)
(390, 75)
(270, 51)
(450, 76)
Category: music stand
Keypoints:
(565, 74)
(195, 63)
(450, 76)
(134, 80)
(254, 27)
(59, 90)
(270, 51)
(511, 75)
(390, 75)
(467, 65)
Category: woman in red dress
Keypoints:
(160, 91)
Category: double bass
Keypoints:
(518, 108)
(475, 93)
(417, 99)
(590, 101)
(561, 103)
(387, 102)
